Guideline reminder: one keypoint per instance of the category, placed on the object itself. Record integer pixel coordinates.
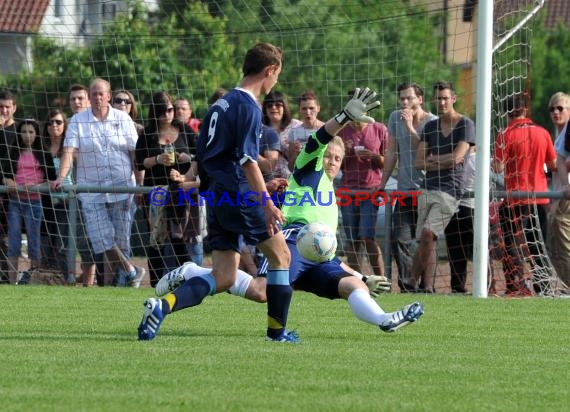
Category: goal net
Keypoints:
(190, 49)
(520, 224)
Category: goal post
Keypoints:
(484, 110)
(521, 230)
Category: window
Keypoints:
(58, 8)
(109, 10)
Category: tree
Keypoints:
(338, 45)
(193, 47)
(550, 71)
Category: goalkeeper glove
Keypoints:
(356, 109)
(377, 284)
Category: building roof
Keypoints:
(25, 16)
(557, 10)
(22, 16)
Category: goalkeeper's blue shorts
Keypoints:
(320, 279)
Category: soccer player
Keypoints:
(227, 151)
(310, 198)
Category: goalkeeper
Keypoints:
(315, 169)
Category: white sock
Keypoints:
(243, 279)
(190, 270)
(365, 308)
(241, 284)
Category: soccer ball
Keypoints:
(316, 242)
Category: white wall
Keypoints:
(78, 19)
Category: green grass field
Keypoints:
(76, 349)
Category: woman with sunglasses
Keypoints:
(125, 101)
(167, 221)
(55, 225)
(558, 241)
(277, 115)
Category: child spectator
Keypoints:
(27, 167)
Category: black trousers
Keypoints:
(459, 239)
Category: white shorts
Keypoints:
(435, 210)
(109, 224)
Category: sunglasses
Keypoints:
(119, 100)
(55, 122)
(274, 104)
(559, 108)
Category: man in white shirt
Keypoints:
(103, 141)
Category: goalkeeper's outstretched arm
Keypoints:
(355, 110)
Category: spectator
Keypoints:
(103, 139)
(405, 127)
(218, 94)
(27, 167)
(8, 139)
(167, 222)
(441, 152)
(558, 240)
(277, 115)
(521, 151)
(268, 152)
(559, 106)
(365, 146)
(8, 132)
(459, 231)
(125, 101)
(78, 102)
(193, 234)
(183, 112)
(55, 227)
(309, 109)
(78, 98)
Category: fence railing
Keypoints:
(70, 192)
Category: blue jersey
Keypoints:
(229, 137)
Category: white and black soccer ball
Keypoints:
(316, 242)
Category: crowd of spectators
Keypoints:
(103, 141)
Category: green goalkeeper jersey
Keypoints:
(310, 196)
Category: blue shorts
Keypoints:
(320, 279)
(359, 222)
(229, 225)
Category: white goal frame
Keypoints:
(485, 51)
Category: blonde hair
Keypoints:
(560, 96)
(340, 143)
